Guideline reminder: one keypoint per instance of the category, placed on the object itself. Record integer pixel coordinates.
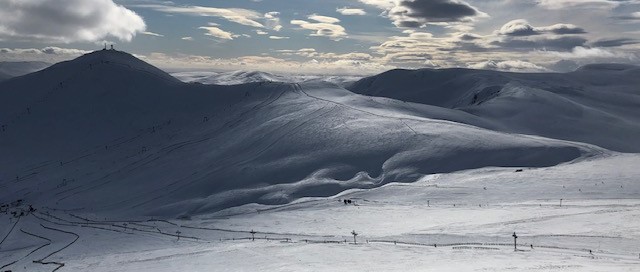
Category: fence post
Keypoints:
(253, 235)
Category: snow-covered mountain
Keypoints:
(108, 163)
(242, 77)
(113, 133)
(4, 76)
(10, 69)
(596, 104)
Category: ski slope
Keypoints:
(469, 225)
(127, 167)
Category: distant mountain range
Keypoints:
(242, 77)
(18, 68)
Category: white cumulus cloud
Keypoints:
(216, 32)
(324, 26)
(67, 21)
(351, 11)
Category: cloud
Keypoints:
(519, 35)
(521, 27)
(187, 38)
(518, 27)
(324, 19)
(469, 37)
(417, 13)
(614, 42)
(351, 11)
(580, 52)
(381, 4)
(562, 29)
(237, 15)
(325, 27)
(273, 20)
(434, 10)
(278, 38)
(214, 31)
(272, 64)
(561, 43)
(509, 66)
(565, 4)
(63, 51)
(149, 33)
(632, 17)
(66, 21)
(312, 53)
(50, 54)
(261, 32)
(49, 50)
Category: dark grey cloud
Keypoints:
(408, 24)
(628, 17)
(416, 13)
(467, 46)
(438, 10)
(469, 37)
(614, 42)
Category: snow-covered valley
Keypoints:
(112, 164)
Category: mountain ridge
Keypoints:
(569, 106)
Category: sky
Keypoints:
(328, 36)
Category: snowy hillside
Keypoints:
(596, 104)
(4, 76)
(112, 132)
(242, 77)
(13, 69)
(109, 163)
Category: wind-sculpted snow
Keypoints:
(597, 104)
(109, 133)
